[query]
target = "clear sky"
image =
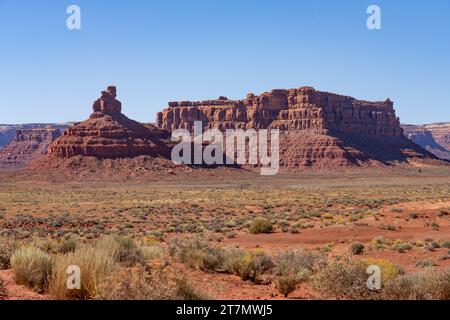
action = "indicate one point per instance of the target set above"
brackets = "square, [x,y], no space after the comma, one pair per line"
[166,50]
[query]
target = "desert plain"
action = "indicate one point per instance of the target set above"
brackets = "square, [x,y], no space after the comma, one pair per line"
[231,233]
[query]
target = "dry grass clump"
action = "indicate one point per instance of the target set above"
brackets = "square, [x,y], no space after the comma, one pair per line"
[136,284]
[7,248]
[294,267]
[427,285]
[379,242]
[128,251]
[96,263]
[290,261]
[139,284]
[186,291]
[152,252]
[196,253]
[346,278]
[67,245]
[343,278]
[2,290]
[111,268]
[32,267]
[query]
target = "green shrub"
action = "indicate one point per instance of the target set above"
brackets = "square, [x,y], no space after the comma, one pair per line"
[402,247]
[260,225]
[424,263]
[287,284]
[32,267]
[197,254]
[443,213]
[379,242]
[294,230]
[389,227]
[357,248]
[247,265]
[446,244]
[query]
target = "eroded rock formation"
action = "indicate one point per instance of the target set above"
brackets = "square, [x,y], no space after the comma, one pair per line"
[110,134]
[318,129]
[294,109]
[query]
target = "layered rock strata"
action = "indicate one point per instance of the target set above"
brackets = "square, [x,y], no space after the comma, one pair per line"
[110,134]
[318,129]
[28,145]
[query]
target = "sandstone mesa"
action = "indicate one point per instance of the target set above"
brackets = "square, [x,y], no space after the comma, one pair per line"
[28,145]
[318,129]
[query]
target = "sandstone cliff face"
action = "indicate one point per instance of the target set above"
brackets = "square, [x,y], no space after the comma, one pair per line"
[318,129]
[110,134]
[293,109]
[28,145]
[440,132]
[8,131]
[432,137]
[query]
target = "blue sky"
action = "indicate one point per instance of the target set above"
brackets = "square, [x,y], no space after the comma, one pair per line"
[167,50]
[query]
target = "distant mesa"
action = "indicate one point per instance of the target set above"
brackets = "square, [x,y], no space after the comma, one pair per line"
[318,129]
[110,134]
[28,145]
[8,131]
[433,137]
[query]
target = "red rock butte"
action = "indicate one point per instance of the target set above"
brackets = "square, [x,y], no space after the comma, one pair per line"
[293,109]
[319,129]
[110,134]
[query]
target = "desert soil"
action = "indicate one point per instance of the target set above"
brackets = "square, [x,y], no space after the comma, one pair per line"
[324,211]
